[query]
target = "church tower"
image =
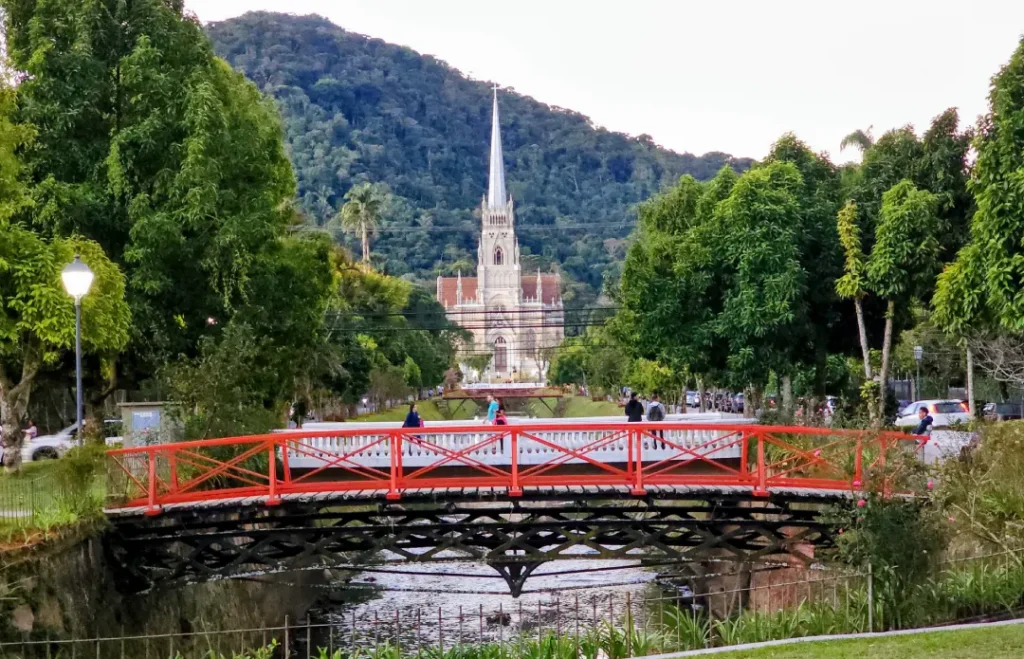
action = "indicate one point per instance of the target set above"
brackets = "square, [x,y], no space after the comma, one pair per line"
[498,254]
[512,317]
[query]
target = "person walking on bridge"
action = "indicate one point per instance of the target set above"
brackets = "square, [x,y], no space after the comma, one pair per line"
[412,419]
[656,412]
[492,409]
[634,409]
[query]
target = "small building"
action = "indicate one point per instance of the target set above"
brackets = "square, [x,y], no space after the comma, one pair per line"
[143,424]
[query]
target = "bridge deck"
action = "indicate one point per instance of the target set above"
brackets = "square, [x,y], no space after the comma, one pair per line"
[482,493]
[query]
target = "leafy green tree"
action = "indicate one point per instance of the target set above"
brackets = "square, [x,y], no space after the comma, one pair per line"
[361,214]
[37,317]
[904,260]
[981,290]
[413,375]
[148,144]
[853,284]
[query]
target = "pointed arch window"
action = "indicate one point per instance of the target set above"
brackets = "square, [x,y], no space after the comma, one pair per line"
[500,354]
[499,256]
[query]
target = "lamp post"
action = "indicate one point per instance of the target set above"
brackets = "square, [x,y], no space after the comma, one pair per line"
[77,278]
[918,354]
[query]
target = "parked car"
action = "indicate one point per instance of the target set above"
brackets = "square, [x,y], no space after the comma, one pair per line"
[51,447]
[944,413]
[737,403]
[1003,411]
[692,399]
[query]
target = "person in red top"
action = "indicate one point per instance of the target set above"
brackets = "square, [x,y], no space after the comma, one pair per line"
[500,419]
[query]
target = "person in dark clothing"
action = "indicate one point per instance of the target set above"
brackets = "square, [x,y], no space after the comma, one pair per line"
[634,409]
[412,419]
[925,427]
[500,419]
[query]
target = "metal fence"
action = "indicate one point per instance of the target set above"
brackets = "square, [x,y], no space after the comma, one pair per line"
[25,500]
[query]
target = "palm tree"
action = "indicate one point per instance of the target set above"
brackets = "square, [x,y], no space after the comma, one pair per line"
[361,214]
[862,139]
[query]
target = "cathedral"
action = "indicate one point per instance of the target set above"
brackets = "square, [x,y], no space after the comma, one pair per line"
[513,317]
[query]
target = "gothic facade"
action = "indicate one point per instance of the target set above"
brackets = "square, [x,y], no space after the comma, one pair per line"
[512,316]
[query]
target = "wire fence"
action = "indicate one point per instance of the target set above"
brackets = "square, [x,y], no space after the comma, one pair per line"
[27,500]
[681,612]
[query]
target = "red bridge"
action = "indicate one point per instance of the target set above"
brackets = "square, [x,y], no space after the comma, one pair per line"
[514,496]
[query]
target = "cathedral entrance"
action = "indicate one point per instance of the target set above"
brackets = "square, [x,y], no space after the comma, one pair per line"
[500,355]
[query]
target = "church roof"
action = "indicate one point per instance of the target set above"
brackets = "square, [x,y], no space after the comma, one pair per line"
[447,290]
[551,289]
[550,286]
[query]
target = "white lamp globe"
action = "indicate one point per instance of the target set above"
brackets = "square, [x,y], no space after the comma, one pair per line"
[77,278]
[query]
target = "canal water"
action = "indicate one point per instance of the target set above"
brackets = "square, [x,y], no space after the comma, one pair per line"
[445,604]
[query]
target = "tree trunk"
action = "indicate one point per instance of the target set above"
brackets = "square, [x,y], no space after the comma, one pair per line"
[14,400]
[883,375]
[862,329]
[703,407]
[787,396]
[970,381]
[366,245]
[748,403]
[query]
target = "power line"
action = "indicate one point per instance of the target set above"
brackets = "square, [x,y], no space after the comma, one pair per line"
[485,312]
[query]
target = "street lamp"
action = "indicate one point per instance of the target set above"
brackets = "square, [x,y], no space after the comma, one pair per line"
[918,354]
[77,278]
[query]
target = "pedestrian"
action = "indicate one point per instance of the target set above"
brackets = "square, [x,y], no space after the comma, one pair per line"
[492,409]
[656,412]
[634,409]
[412,419]
[31,432]
[500,419]
[925,427]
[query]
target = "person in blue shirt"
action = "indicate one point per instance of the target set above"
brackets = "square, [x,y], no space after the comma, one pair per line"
[492,409]
[412,419]
[925,427]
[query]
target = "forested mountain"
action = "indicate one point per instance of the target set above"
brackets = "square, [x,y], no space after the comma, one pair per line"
[359,109]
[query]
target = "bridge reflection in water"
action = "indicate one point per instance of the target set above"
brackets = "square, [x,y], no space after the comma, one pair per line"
[513,496]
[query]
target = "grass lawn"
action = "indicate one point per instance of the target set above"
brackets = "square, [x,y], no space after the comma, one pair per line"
[1005,642]
[575,407]
[428,412]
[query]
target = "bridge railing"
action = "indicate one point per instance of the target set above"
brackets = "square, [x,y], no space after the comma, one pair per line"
[510,458]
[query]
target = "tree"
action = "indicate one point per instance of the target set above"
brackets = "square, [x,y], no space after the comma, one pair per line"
[37,317]
[479,362]
[852,285]
[861,139]
[361,214]
[904,259]
[981,290]
[148,144]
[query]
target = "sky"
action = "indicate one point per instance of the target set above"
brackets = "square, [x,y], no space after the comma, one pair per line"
[706,76]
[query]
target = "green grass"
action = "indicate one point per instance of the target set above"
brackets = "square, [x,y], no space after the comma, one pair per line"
[428,412]
[984,643]
[575,407]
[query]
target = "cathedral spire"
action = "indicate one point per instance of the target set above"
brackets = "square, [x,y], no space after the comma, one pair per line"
[496,197]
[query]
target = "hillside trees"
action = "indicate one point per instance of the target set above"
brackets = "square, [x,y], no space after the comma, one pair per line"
[360,110]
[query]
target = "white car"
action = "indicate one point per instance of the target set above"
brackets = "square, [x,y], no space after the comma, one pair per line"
[944,413]
[50,447]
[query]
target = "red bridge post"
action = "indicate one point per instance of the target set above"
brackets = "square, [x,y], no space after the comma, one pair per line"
[152,508]
[396,467]
[274,498]
[761,489]
[638,470]
[515,490]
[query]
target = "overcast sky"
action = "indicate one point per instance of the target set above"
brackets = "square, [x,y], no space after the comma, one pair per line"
[706,76]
